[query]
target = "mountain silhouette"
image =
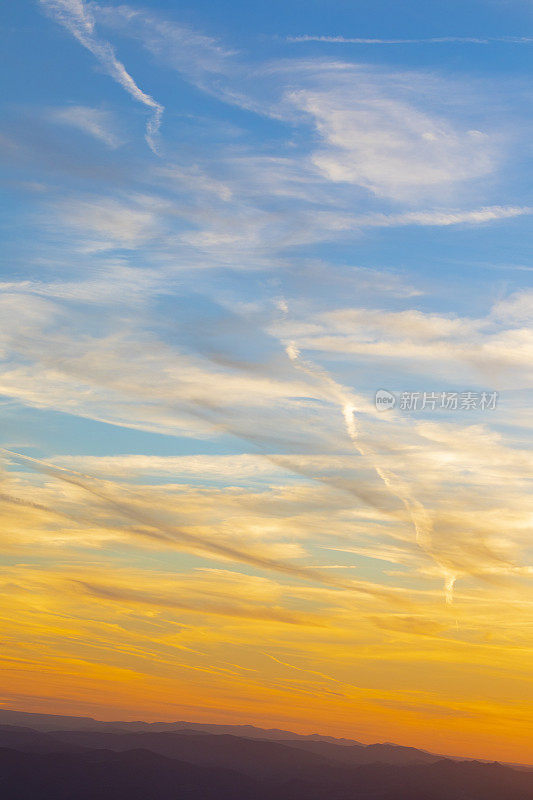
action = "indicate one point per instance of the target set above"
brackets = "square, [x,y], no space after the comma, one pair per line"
[143,775]
[100,761]
[50,722]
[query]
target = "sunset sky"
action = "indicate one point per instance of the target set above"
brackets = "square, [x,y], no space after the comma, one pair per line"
[227,225]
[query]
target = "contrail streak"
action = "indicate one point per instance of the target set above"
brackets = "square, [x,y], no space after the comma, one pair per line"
[429,40]
[420,518]
[76,18]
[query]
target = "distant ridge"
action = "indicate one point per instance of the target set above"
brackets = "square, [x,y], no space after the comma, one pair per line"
[51,722]
[340,751]
[54,757]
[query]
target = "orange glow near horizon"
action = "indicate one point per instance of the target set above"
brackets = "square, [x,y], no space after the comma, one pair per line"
[100,624]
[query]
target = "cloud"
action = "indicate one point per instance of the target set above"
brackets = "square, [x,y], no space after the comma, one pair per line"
[516,309]
[211,605]
[153,526]
[107,223]
[178,45]
[77,18]
[417,626]
[147,394]
[463,349]
[377,131]
[92,121]
[115,282]
[443,218]
[378,138]
[222,468]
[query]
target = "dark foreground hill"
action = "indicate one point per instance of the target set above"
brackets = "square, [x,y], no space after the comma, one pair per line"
[143,775]
[103,775]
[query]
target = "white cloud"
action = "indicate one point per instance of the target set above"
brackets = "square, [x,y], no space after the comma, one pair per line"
[103,223]
[376,129]
[517,308]
[178,45]
[378,140]
[332,223]
[92,121]
[444,217]
[236,468]
[498,346]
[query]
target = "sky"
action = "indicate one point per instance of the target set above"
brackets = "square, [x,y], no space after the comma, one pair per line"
[227,226]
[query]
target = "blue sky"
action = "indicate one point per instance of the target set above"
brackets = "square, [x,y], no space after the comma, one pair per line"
[227,225]
[262,126]
[212,179]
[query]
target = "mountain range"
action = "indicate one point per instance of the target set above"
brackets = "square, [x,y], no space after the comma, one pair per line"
[65,757]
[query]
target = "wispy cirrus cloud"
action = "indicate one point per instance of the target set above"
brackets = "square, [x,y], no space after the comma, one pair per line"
[176,44]
[375,136]
[92,121]
[109,223]
[375,131]
[152,526]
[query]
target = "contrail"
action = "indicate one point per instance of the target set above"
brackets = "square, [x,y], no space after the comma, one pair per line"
[77,19]
[430,40]
[420,518]
[303,669]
